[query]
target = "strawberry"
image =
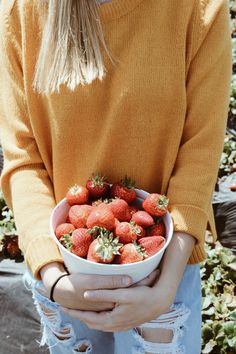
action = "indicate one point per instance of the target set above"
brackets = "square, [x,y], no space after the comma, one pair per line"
[78,215]
[127,232]
[157,229]
[12,248]
[77,195]
[81,240]
[124,190]
[232,187]
[104,248]
[63,229]
[101,216]
[120,209]
[156,204]
[97,186]
[142,218]
[234,167]
[151,244]
[130,253]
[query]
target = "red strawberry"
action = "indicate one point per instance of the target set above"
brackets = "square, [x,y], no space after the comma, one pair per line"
[130,253]
[78,215]
[101,216]
[81,240]
[124,190]
[127,232]
[63,229]
[104,248]
[151,244]
[157,229]
[77,195]
[97,186]
[142,218]
[12,248]
[232,187]
[156,204]
[120,209]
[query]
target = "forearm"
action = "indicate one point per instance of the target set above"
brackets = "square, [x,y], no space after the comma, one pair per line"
[50,272]
[174,262]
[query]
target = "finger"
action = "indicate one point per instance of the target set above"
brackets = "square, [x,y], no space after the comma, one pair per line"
[103,281]
[149,280]
[117,296]
[90,317]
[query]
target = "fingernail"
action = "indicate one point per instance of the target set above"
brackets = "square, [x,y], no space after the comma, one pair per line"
[126,281]
[88,294]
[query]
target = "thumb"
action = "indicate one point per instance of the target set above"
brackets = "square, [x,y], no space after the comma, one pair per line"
[115,296]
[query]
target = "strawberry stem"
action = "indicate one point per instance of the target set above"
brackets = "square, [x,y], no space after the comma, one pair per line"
[128,182]
[66,241]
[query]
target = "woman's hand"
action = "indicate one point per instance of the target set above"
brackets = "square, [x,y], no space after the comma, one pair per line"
[140,304]
[69,291]
[134,306]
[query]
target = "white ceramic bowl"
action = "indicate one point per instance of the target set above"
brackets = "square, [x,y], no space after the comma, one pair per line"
[75,264]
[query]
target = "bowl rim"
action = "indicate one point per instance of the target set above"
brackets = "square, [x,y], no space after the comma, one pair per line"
[140,194]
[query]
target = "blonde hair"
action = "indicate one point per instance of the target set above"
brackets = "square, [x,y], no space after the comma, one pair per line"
[70,51]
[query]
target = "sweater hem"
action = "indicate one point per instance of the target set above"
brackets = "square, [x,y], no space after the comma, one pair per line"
[41,251]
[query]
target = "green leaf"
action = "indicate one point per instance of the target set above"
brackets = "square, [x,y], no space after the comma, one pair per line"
[233,316]
[229,327]
[232,265]
[209,346]
[207,332]
[231,342]
[209,312]
[206,301]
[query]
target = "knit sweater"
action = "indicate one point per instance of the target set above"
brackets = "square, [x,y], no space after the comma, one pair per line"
[159,116]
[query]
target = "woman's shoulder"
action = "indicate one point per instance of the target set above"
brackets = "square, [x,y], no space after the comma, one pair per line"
[208,9]
[211,13]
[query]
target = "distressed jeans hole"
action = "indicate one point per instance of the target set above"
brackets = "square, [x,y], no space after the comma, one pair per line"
[163,334]
[83,346]
[47,312]
[156,335]
[64,334]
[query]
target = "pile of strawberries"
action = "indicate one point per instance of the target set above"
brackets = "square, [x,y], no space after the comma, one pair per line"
[104,224]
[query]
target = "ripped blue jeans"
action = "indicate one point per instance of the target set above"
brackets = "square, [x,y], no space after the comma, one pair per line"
[65,335]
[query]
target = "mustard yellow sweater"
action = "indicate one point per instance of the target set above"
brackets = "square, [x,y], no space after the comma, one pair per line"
[159,116]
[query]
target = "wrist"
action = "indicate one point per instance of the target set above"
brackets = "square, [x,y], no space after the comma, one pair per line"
[174,262]
[50,272]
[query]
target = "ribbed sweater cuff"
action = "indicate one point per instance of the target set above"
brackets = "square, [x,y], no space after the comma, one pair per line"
[41,251]
[184,219]
[198,255]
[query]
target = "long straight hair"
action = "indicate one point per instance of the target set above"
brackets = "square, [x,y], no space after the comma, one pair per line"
[71,46]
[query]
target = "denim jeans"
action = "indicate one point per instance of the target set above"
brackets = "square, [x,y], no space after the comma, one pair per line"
[65,335]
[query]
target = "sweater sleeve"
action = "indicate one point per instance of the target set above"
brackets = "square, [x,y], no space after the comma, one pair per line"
[208,91]
[25,182]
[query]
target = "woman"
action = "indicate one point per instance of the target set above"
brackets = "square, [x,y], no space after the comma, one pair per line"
[128,87]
